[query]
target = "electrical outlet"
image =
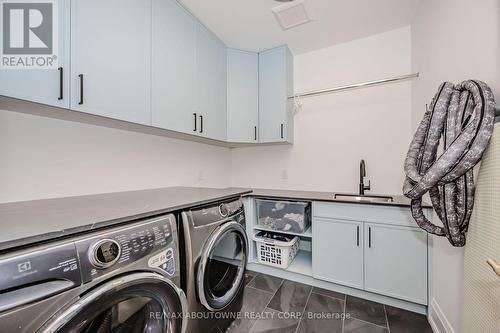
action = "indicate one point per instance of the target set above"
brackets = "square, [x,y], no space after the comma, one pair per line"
[284,174]
[200,175]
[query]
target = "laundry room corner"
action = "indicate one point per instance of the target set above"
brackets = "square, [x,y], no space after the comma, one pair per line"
[333,132]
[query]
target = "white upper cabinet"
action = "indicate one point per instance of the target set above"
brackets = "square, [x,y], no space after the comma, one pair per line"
[188,73]
[211,84]
[174,67]
[275,85]
[151,62]
[111,58]
[44,86]
[242,96]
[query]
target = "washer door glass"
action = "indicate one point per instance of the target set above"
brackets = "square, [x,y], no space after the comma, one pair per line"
[137,303]
[223,265]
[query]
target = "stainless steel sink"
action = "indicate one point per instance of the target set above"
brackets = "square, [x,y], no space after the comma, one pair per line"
[363,198]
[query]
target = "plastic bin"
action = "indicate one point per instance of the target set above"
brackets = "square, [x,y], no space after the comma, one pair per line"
[276,250]
[284,216]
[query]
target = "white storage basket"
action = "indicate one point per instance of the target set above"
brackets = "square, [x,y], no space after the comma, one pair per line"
[274,252]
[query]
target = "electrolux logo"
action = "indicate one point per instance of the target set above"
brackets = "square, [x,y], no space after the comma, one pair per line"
[29,34]
[24,267]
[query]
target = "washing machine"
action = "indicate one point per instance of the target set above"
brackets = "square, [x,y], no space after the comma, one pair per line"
[122,279]
[216,250]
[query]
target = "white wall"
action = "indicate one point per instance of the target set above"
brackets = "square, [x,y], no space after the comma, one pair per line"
[452,40]
[333,132]
[44,157]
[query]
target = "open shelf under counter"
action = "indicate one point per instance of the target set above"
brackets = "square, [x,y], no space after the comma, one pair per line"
[302,263]
[307,233]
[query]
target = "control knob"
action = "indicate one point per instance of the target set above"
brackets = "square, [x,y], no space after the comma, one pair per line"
[104,253]
[223,210]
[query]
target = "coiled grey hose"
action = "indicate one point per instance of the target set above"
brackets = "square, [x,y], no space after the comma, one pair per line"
[463,116]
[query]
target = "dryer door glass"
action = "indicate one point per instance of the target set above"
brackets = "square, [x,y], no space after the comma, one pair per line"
[141,302]
[223,266]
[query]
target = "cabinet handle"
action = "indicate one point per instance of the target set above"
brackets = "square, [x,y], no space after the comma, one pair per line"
[61,83]
[201,124]
[369,237]
[255,133]
[357,235]
[195,122]
[282,132]
[81,89]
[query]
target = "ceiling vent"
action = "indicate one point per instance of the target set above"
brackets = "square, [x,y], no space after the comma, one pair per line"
[292,14]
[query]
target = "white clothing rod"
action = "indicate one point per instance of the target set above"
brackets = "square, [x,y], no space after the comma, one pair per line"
[365,85]
[355,86]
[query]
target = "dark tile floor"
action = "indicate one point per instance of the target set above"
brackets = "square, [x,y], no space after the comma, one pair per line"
[275,305]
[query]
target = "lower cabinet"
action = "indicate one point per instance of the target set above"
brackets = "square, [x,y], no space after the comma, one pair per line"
[338,251]
[396,262]
[388,258]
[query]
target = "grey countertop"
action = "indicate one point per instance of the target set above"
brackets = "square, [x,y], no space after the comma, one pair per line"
[27,222]
[399,200]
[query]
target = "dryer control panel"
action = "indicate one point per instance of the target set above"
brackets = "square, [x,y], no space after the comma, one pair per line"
[122,246]
[215,213]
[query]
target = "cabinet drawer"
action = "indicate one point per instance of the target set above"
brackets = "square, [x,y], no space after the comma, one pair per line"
[367,213]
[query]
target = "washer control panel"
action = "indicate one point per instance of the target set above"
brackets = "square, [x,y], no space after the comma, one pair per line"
[37,265]
[122,246]
[164,260]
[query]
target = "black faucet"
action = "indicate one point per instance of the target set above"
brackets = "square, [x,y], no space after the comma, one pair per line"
[362,175]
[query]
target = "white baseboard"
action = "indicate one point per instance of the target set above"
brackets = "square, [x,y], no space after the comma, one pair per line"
[438,320]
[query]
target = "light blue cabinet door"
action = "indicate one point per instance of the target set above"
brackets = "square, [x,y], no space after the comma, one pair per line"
[275,85]
[337,251]
[174,67]
[111,48]
[396,262]
[211,84]
[41,85]
[242,96]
